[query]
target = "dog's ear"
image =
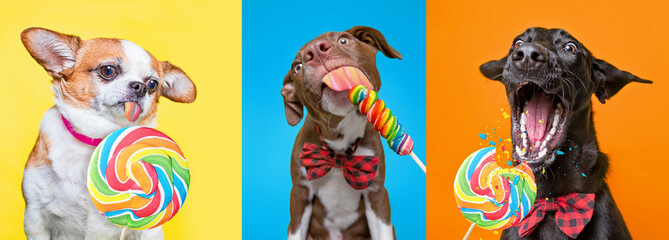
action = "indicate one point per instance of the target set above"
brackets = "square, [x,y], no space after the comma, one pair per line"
[609,80]
[493,69]
[176,85]
[56,52]
[293,106]
[373,37]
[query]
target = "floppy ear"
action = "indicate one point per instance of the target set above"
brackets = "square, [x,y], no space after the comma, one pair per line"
[493,69]
[609,80]
[56,52]
[176,85]
[373,37]
[292,105]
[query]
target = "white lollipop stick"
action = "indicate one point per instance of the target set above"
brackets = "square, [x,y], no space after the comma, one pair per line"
[420,163]
[123,232]
[469,231]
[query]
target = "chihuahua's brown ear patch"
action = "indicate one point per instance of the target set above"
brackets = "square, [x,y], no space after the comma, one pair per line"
[177,86]
[56,52]
[609,80]
[293,106]
[373,37]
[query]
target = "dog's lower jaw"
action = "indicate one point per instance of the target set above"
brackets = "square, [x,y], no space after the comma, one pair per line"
[88,122]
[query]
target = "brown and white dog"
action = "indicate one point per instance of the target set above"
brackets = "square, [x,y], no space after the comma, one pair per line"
[94,81]
[327,207]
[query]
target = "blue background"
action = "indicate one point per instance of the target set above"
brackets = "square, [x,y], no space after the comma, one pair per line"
[272,33]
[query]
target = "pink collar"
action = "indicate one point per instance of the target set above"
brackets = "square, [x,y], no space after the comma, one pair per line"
[82,138]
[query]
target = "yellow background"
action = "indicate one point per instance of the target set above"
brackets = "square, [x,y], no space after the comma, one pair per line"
[201,37]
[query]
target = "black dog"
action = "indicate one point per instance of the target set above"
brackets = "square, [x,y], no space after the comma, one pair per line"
[549,78]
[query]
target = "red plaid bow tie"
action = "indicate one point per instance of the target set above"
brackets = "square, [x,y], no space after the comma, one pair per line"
[359,171]
[573,212]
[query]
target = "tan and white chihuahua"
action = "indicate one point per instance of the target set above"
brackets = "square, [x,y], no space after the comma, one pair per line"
[100,85]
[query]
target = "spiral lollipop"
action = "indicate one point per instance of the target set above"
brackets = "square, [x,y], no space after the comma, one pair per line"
[490,196]
[138,178]
[377,114]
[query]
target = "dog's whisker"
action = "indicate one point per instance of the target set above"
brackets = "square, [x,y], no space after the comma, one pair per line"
[577,77]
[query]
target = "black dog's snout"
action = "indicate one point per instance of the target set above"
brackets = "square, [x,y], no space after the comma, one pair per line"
[528,57]
[138,88]
[319,48]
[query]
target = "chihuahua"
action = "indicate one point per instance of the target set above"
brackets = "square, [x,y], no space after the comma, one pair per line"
[100,85]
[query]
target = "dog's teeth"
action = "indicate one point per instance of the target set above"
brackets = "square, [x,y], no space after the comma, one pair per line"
[556,120]
[525,142]
[522,123]
[543,152]
[520,151]
[523,135]
[559,109]
[553,130]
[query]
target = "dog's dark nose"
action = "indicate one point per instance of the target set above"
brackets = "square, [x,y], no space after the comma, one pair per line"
[319,48]
[138,88]
[528,57]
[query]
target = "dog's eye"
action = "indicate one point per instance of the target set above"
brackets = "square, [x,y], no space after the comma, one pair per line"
[518,43]
[570,47]
[108,72]
[152,86]
[297,68]
[343,40]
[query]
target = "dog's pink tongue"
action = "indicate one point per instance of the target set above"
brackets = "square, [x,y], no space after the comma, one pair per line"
[537,112]
[345,78]
[132,111]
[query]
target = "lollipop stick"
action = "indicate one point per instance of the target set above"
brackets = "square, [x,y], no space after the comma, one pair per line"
[123,232]
[469,231]
[420,164]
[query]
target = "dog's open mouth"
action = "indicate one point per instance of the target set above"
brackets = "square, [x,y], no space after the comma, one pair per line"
[538,124]
[336,85]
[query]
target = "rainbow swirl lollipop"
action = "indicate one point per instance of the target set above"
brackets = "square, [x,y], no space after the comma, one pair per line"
[490,196]
[138,178]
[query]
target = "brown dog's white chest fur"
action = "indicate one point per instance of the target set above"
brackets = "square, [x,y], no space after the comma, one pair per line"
[339,199]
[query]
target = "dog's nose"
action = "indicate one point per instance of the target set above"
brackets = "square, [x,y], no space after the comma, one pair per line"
[319,48]
[528,57]
[138,88]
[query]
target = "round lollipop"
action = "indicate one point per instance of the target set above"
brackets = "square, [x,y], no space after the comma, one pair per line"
[490,196]
[375,109]
[138,178]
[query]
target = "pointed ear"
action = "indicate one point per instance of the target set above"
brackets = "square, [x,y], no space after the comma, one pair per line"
[609,80]
[292,105]
[493,70]
[56,52]
[373,37]
[176,85]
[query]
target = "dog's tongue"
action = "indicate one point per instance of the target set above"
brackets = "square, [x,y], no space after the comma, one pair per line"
[345,78]
[132,111]
[537,111]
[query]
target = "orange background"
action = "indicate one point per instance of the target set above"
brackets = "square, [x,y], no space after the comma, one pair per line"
[632,127]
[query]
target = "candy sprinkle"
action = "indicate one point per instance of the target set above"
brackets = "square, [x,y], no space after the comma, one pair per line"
[483,136]
[583,174]
[560,152]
